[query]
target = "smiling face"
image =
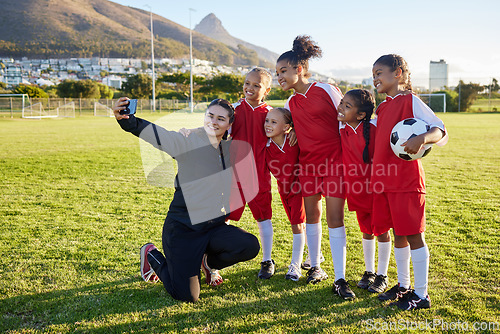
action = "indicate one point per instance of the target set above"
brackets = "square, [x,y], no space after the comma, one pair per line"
[288,76]
[348,111]
[256,87]
[275,124]
[216,121]
[385,80]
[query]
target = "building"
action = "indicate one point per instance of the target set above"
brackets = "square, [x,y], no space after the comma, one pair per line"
[438,75]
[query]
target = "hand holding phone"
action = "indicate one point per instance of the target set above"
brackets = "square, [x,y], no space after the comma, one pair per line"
[130,108]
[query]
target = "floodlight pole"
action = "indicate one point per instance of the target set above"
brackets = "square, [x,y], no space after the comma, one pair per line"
[191,61]
[152,56]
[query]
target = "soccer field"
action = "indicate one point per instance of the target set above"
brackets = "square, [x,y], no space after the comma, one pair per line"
[76,208]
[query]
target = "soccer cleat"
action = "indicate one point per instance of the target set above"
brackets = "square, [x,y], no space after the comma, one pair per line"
[366,280]
[293,273]
[212,276]
[147,273]
[306,265]
[393,293]
[411,301]
[315,275]
[266,269]
[379,284]
[342,288]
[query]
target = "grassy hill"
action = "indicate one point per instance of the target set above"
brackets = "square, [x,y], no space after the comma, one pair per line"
[100,28]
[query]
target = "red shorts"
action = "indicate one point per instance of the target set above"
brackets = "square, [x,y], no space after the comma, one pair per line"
[365,222]
[294,208]
[260,207]
[404,212]
[328,186]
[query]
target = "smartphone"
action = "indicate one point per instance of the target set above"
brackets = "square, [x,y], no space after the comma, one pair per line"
[130,107]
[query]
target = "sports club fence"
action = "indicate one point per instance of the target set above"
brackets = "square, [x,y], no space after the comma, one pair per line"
[18,106]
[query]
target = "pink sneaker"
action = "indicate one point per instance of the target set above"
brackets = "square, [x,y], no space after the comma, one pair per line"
[147,273]
[212,276]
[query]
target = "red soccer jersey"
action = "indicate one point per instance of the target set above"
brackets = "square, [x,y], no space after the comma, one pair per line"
[283,163]
[248,126]
[390,173]
[356,172]
[315,121]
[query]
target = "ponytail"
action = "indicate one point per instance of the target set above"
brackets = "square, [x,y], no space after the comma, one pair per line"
[303,49]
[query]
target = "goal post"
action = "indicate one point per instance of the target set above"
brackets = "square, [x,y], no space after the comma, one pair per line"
[102,110]
[13,103]
[437,101]
[66,110]
[38,111]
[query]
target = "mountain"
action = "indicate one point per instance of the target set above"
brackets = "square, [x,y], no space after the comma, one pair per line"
[101,28]
[212,27]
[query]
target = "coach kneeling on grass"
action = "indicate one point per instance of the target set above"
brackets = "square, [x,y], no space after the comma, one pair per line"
[195,233]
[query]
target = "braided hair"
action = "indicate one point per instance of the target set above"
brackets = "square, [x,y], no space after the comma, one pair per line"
[303,49]
[394,62]
[365,103]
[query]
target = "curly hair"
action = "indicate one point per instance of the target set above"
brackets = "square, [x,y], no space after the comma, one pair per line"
[365,103]
[302,50]
[394,61]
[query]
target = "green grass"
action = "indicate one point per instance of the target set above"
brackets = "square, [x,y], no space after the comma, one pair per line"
[75,209]
[485,104]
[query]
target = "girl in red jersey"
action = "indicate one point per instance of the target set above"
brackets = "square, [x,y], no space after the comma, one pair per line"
[282,160]
[250,114]
[357,134]
[314,111]
[399,185]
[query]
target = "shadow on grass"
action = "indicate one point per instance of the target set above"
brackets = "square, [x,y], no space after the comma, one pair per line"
[243,303]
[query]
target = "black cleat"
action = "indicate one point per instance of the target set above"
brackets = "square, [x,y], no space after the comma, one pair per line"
[342,288]
[393,293]
[316,275]
[266,269]
[366,280]
[379,284]
[411,301]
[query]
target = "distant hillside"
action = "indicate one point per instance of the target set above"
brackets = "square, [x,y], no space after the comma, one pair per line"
[212,27]
[101,28]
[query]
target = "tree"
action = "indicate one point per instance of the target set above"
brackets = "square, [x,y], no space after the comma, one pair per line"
[139,86]
[79,89]
[467,93]
[451,100]
[106,92]
[32,91]
[181,81]
[227,85]
[277,93]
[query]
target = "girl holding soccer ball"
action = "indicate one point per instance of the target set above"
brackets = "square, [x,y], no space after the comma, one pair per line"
[314,111]
[357,133]
[401,203]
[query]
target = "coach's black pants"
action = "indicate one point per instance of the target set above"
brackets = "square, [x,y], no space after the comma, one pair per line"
[179,269]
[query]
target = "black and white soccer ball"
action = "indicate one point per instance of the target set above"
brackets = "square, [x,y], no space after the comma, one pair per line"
[404,130]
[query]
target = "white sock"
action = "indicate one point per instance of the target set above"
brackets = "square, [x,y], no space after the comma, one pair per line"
[384,255]
[313,234]
[420,259]
[338,245]
[266,238]
[299,241]
[402,257]
[369,254]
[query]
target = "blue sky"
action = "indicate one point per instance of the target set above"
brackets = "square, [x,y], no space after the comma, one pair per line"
[354,34]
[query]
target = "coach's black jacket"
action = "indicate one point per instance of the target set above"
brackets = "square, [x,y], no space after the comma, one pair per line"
[203,182]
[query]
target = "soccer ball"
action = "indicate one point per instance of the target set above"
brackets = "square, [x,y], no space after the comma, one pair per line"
[404,130]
